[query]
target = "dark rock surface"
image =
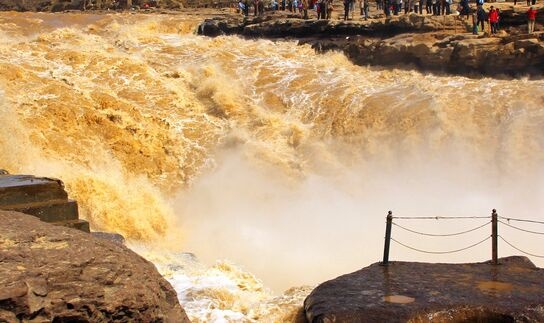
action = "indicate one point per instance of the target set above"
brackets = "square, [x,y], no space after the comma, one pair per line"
[423,292]
[456,54]
[56,274]
[281,25]
[42,197]
[284,24]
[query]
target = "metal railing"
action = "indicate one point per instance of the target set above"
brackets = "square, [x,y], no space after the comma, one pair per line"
[493,220]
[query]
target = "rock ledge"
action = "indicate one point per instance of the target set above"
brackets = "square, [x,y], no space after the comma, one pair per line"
[423,292]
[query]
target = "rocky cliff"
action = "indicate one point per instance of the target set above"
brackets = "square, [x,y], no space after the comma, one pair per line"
[50,273]
[429,43]
[512,291]
[464,54]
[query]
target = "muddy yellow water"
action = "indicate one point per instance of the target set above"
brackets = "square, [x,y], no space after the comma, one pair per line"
[256,154]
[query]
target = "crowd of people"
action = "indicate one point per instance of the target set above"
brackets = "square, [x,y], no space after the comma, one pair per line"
[324,8]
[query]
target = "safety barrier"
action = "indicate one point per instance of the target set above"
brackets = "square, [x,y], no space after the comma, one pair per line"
[492,220]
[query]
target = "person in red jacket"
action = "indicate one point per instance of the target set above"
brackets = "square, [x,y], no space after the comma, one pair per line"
[493,20]
[531,18]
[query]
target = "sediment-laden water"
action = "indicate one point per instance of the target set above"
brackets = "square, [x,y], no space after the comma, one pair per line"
[260,155]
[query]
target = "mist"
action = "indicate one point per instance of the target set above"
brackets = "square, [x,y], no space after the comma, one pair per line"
[292,233]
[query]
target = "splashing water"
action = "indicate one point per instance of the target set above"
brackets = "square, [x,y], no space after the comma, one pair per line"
[259,152]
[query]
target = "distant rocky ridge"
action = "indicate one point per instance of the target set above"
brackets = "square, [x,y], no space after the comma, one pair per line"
[463,54]
[512,291]
[429,43]
[56,274]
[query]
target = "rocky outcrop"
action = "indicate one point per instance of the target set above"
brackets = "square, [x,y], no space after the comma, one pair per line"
[465,54]
[281,25]
[42,197]
[56,274]
[512,291]
[285,24]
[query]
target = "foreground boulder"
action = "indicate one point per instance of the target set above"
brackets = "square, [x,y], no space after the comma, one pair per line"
[51,273]
[422,292]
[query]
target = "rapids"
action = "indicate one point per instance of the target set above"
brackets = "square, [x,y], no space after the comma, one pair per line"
[258,153]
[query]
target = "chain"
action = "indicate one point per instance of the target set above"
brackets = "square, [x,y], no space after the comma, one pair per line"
[525,252]
[520,220]
[509,225]
[441,235]
[441,252]
[439,217]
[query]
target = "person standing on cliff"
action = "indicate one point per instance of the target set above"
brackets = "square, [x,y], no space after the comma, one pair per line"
[396,7]
[474,23]
[387,8]
[531,18]
[329,9]
[482,17]
[346,9]
[429,6]
[493,19]
[436,7]
[465,8]
[305,9]
[447,5]
[365,4]
[246,7]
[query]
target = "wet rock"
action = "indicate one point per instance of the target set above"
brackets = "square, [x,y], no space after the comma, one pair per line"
[50,273]
[220,26]
[423,292]
[459,54]
[284,26]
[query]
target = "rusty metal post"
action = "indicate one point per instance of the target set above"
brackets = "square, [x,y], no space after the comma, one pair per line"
[389,222]
[494,236]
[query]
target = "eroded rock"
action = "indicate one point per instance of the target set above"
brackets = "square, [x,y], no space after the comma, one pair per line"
[423,292]
[51,273]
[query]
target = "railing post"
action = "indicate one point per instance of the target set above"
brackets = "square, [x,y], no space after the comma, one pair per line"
[387,238]
[494,235]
